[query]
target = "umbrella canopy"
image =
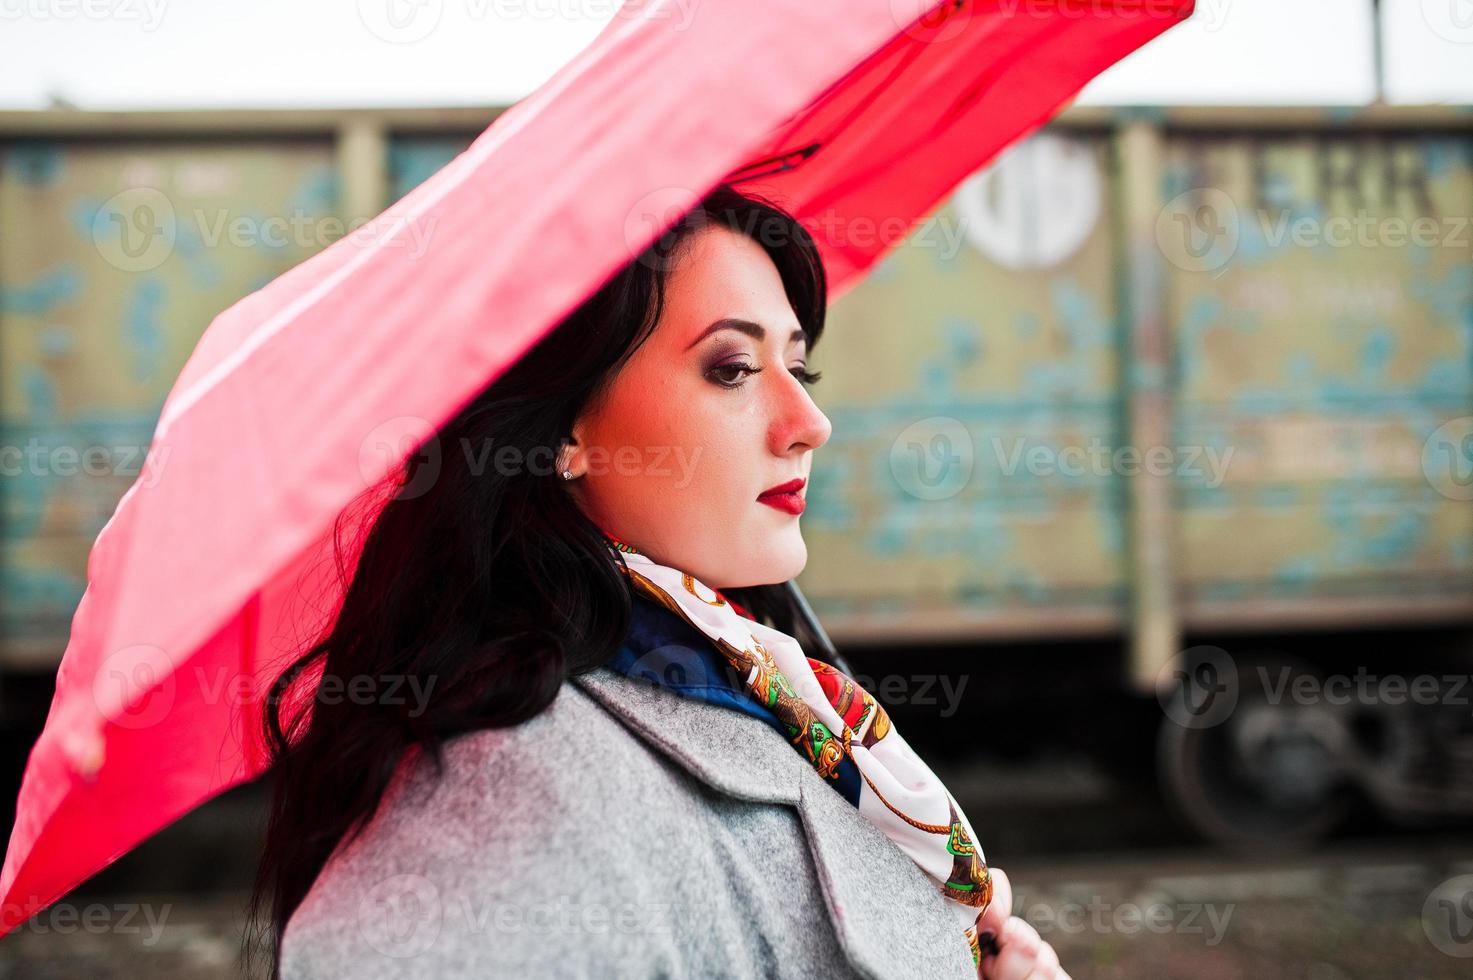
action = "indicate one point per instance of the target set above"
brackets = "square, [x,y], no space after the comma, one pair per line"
[216,565]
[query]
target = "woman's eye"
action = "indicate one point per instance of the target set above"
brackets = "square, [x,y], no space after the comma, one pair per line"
[736,370]
[725,370]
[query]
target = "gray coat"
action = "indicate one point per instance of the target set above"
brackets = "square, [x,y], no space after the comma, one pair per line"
[626,831]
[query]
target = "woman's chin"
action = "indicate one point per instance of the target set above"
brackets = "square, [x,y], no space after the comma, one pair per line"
[779,561]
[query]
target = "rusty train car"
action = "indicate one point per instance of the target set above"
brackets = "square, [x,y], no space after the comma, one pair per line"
[1173,377]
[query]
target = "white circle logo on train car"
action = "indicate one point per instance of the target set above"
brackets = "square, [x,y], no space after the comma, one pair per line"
[1036,205]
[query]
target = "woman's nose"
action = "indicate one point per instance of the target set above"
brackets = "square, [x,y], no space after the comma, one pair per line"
[800,424]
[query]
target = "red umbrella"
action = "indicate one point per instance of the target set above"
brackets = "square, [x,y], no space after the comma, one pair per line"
[216,565]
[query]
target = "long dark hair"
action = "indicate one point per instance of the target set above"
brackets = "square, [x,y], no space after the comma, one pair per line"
[487,588]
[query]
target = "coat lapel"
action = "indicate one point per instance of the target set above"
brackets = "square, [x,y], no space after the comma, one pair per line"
[727,750]
[876,893]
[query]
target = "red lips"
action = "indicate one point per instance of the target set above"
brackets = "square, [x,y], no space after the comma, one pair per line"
[792,486]
[785,497]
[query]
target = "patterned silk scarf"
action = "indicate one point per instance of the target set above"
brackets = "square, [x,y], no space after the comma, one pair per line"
[840,728]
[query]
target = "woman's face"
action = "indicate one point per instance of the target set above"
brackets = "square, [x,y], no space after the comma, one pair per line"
[674,454]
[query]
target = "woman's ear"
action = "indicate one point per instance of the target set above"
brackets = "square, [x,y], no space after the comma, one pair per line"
[570,454]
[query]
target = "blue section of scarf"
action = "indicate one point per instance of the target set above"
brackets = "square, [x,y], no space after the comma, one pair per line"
[664,649]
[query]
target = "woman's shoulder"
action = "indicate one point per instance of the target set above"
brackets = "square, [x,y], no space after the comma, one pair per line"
[562,809]
[561,767]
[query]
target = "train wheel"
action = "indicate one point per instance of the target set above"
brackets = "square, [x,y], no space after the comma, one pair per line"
[1262,769]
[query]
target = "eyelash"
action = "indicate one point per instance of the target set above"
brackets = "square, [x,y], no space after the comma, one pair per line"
[802,374]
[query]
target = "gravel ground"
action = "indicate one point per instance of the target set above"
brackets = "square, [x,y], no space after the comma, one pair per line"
[1368,912]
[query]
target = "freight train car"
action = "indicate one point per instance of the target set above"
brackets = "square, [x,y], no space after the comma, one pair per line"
[1185,378]
[1197,380]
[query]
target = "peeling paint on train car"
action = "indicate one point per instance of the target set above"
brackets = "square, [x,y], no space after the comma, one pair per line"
[1326,351]
[1321,361]
[114,257]
[967,387]
[978,476]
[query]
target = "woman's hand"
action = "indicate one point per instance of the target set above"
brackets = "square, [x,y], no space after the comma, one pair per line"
[1022,955]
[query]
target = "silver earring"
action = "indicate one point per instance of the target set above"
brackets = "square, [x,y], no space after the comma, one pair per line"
[567,474]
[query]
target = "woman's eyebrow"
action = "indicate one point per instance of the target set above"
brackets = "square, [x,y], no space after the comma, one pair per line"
[747,327]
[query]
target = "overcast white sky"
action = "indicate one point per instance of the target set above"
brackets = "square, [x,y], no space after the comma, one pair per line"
[129,54]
